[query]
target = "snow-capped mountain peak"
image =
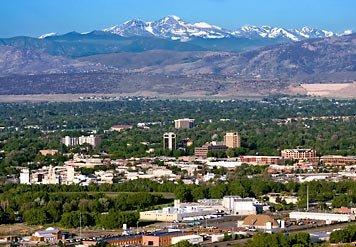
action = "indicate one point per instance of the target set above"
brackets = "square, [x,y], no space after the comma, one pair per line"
[347,32]
[47,35]
[175,28]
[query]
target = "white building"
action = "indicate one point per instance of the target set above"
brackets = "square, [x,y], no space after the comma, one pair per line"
[184,123]
[181,211]
[48,175]
[207,208]
[240,206]
[25,176]
[226,164]
[193,239]
[327,217]
[161,172]
[92,140]
[70,141]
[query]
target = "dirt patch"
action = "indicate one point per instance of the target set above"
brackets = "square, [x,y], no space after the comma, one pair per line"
[18,230]
[328,90]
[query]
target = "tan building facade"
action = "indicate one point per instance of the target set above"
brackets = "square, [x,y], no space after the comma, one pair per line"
[232,140]
[338,160]
[202,152]
[299,154]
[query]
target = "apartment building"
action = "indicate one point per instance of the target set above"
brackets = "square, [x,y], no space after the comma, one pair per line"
[299,154]
[92,140]
[232,140]
[184,123]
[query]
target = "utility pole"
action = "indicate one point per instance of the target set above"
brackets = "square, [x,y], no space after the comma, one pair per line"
[80,225]
[307,198]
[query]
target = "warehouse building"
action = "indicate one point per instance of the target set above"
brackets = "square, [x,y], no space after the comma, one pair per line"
[327,217]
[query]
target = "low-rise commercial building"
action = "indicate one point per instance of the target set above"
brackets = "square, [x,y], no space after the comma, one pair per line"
[48,152]
[260,221]
[203,151]
[50,235]
[120,127]
[338,160]
[299,154]
[261,160]
[48,175]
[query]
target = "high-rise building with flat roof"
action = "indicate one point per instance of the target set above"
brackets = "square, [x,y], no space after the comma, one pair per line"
[73,141]
[184,123]
[169,141]
[232,140]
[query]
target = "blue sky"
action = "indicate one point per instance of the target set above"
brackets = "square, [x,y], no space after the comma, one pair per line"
[35,17]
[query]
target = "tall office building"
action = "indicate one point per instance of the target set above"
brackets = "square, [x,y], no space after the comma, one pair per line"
[232,140]
[169,141]
[185,123]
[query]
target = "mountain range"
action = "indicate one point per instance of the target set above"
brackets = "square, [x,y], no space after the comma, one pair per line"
[171,55]
[175,28]
[169,33]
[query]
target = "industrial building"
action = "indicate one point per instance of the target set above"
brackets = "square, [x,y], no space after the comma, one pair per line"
[207,208]
[241,206]
[180,211]
[327,217]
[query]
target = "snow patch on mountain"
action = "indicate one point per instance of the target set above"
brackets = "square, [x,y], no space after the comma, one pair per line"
[43,36]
